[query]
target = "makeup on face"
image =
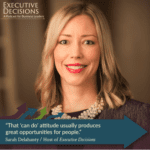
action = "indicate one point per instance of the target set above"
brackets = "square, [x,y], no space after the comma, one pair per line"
[75,68]
[77,53]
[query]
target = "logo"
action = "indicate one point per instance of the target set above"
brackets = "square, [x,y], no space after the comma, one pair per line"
[21,10]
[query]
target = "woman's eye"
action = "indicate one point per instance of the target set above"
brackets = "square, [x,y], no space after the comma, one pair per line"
[89,42]
[63,42]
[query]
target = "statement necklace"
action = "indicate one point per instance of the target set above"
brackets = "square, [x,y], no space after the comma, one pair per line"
[90,113]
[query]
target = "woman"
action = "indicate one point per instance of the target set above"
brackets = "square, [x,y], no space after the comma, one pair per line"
[79,35]
[79,74]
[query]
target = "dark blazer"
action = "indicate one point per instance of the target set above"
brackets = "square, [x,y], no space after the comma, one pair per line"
[136,111]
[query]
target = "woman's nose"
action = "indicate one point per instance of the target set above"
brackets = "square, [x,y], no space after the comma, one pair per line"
[76,50]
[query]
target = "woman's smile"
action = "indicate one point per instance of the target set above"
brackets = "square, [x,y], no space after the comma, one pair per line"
[75,68]
[77,53]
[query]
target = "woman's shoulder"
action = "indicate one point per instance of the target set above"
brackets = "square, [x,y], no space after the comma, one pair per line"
[135,107]
[134,103]
[137,111]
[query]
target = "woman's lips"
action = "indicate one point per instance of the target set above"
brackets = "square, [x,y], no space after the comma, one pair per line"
[75,68]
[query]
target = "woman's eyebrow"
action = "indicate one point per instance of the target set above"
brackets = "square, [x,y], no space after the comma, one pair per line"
[89,35]
[68,35]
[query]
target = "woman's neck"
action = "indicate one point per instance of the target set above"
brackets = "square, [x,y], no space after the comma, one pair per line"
[79,97]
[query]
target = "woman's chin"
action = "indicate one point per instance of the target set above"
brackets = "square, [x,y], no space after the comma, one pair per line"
[73,82]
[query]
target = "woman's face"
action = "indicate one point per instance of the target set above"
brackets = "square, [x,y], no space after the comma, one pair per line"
[77,53]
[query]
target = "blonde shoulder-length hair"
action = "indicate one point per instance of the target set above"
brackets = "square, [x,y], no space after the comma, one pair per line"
[112,86]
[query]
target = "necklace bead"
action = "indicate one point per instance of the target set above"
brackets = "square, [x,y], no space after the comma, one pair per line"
[87,114]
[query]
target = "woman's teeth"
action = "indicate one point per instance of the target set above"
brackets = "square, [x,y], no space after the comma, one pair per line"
[75,67]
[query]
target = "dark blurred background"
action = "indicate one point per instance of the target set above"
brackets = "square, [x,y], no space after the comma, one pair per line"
[22,40]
